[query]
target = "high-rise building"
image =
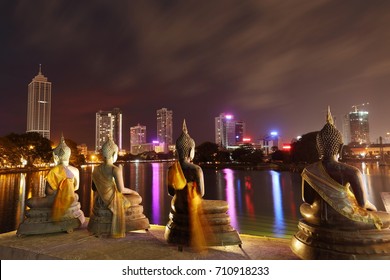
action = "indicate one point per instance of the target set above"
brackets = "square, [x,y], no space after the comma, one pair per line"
[359,127]
[240,131]
[346,130]
[225,130]
[39,105]
[108,124]
[137,138]
[164,127]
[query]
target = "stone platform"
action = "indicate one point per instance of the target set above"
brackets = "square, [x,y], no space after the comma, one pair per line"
[137,245]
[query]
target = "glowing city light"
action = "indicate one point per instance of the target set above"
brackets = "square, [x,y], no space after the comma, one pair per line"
[274,133]
[286,147]
[228,117]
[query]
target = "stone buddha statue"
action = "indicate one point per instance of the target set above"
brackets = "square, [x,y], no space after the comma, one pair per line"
[59,210]
[193,221]
[116,208]
[338,221]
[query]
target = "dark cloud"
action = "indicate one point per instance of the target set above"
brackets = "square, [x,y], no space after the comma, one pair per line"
[274,64]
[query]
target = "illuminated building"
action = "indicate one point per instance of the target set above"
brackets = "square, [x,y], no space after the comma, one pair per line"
[164,127]
[108,123]
[270,141]
[359,128]
[137,138]
[39,105]
[225,130]
[240,131]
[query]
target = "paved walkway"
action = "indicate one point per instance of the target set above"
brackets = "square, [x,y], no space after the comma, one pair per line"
[137,245]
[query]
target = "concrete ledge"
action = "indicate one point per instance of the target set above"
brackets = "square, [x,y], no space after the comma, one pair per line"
[137,245]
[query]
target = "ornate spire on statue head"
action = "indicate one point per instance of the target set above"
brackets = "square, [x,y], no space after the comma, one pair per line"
[329,118]
[184,143]
[185,130]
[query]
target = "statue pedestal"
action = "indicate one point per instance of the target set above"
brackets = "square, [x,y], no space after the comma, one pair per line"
[313,242]
[177,231]
[39,221]
[101,218]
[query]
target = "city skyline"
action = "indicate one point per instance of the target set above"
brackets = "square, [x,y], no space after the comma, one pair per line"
[275,65]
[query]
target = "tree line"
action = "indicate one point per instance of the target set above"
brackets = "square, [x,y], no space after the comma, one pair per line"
[32,149]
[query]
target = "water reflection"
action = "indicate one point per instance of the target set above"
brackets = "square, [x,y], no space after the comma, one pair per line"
[156,192]
[249,197]
[230,196]
[278,206]
[260,202]
[21,200]
[376,179]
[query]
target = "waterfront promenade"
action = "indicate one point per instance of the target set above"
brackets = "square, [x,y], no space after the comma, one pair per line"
[137,245]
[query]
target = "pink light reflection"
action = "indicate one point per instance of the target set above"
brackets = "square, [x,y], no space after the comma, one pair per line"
[230,196]
[156,192]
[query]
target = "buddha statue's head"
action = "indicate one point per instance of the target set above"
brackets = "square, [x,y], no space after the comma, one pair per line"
[62,152]
[329,139]
[110,149]
[185,145]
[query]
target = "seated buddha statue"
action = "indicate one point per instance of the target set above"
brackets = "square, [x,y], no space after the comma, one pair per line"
[194,221]
[116,209]
[338,221]
[59,210]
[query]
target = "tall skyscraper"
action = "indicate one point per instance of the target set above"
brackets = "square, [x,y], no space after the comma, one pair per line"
[359,127]
[108,123]
[346,130]
[39,105]
[225,130]
[164,127]
[137,137]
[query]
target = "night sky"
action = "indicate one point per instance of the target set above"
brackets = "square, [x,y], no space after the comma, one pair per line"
[276,65]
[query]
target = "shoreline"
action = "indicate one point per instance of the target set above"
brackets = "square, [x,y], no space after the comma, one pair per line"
[274,165]
[137,245]
[278,166]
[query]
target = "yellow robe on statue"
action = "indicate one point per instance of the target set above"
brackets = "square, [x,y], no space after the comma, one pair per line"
[113,199]
[58,181]
[339,197]
[199,227]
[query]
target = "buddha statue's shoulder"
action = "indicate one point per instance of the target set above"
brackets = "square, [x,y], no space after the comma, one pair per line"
[198,168]
[74,169]
[316,166]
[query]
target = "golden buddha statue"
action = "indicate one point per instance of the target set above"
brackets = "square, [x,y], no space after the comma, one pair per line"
[116,208]
[338,220]
[194,221]
[59,210]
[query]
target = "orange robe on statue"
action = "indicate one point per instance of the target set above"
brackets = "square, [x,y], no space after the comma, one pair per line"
[198,225]
[58,181]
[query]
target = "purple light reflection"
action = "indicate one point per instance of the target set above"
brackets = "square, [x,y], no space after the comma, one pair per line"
[230,197]
[156,192]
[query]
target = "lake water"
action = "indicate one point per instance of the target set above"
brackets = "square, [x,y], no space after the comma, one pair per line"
[264,203]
